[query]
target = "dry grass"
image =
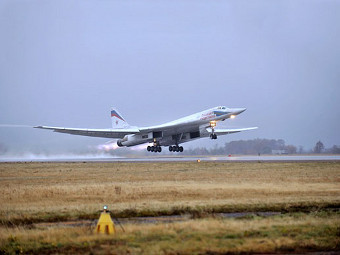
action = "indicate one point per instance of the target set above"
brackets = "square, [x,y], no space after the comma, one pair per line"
[59,191]
[30,188]
[287,233]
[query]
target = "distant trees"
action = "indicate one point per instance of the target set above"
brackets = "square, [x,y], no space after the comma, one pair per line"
[319,147]
[334,150]
[198,151]
[271,146]
[3,149]
[256,146]
[247,147]
[301,150]
[260,146]
[290,149]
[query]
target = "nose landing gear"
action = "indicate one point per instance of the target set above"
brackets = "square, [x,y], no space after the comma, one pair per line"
[213,136]
[212,126]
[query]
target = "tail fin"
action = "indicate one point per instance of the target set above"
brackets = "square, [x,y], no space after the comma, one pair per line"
[117,120]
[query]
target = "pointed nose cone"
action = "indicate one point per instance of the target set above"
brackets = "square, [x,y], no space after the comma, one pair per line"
[237,111]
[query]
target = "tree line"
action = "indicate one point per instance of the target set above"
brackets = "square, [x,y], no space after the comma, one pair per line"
[261,146]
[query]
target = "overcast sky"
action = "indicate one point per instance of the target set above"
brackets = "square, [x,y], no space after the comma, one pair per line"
[65,63]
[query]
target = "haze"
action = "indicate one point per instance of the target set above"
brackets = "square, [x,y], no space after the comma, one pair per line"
[65,63]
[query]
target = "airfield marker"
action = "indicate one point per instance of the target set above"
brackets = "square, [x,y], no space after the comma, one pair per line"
[105,224]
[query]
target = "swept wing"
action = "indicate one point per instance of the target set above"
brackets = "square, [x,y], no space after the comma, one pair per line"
[229,131]
[106,133]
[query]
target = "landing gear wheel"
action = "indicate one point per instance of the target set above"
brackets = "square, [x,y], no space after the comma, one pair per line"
[154,148]
[213,136]
[176,148]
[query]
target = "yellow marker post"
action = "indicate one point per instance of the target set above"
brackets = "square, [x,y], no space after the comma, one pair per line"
[105,224]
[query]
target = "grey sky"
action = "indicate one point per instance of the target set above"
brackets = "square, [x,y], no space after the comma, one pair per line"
[65,63]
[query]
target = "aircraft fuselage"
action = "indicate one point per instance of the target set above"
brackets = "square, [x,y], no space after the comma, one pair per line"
[181,130]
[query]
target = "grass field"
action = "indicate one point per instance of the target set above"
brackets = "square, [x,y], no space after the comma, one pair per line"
[307,192]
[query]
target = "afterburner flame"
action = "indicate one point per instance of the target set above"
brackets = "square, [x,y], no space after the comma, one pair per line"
[111,146]
[108,147]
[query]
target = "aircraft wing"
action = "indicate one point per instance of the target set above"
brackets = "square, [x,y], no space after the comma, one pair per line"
[229,131]
[176,127]
[106,133]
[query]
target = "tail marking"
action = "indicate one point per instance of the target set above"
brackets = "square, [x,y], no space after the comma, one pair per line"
[115,114]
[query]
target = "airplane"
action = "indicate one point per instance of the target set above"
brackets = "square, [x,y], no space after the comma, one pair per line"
[192,127]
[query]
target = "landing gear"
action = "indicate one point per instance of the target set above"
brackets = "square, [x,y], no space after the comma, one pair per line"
[154,148]
[213,136]
[176,148]
[212,126]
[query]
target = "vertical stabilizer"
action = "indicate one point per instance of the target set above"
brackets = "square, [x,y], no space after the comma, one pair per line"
[117,120]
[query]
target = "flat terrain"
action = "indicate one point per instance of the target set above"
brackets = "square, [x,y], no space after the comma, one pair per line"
[308,193]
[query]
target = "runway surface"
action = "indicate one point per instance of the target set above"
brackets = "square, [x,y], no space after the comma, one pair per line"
[105,158]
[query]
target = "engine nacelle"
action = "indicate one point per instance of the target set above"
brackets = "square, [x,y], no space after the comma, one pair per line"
[119,143]
[131,140]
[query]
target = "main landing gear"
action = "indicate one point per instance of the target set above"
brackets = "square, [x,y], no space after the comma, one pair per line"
[176,148]
[154,148]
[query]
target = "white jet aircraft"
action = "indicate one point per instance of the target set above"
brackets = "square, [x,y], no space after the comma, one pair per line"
[170,134]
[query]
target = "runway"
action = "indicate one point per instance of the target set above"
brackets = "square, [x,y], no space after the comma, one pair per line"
[168,158]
